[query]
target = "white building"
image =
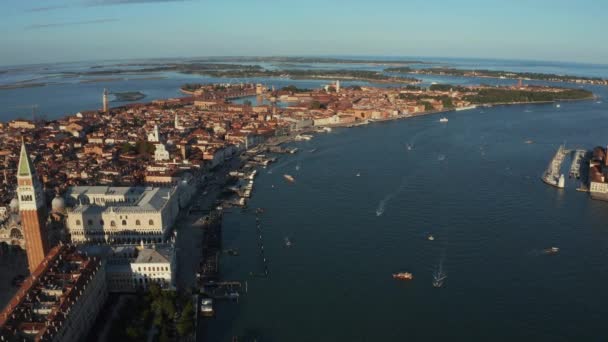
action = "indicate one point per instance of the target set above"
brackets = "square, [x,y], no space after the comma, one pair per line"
[121,214]
[129,267]
[161,153]
[154,265]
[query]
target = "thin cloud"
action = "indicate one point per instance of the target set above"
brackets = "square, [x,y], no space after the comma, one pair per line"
[46,8]
[126,2]
[88,3]
[73,23]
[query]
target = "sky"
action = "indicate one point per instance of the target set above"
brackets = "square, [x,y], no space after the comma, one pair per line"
[80,30]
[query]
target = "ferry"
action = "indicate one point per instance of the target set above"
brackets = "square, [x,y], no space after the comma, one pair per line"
[444,119]
[289,178]
[403,276]
[552,250]
[301,137]
[207,307]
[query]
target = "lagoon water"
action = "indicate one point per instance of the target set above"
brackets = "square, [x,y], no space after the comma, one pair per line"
[473,183]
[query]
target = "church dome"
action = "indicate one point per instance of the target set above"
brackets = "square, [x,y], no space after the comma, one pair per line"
[58,204]
[14,205]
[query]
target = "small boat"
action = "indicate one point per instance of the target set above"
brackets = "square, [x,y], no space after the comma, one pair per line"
[289,178]
[551,250]
[431,238]
[358,174]
[409,147]
[297,167]
[313,150]
[287,242]
[444,119]
[558,105]
[403,276]
[529,141]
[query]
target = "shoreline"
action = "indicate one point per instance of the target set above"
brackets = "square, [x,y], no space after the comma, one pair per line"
[573,81]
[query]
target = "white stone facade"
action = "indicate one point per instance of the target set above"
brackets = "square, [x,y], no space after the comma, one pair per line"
[121,215]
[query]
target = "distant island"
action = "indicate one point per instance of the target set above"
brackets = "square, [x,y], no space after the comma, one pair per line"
[512,95]
[243,71]
[128,96]
[498,74]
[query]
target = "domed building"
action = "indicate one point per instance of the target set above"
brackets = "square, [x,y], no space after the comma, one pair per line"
[58,204]
[14,205]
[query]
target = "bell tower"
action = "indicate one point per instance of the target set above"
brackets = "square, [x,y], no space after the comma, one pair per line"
[32,209]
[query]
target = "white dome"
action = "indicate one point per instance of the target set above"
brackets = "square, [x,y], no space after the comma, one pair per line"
[58,204]
[14,205]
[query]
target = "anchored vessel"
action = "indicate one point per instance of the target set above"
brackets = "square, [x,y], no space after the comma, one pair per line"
[289,178]
[403,276]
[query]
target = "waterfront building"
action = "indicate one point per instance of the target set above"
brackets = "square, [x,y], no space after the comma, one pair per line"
[32,209]
[598,174]
[59,301]
[132,267]
[121,214]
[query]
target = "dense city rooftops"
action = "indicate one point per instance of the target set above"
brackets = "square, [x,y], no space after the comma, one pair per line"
[43,302]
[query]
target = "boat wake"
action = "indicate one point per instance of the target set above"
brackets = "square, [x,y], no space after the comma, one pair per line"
[380,209]
[382,205]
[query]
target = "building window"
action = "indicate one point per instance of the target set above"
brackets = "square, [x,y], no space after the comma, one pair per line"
[151,222]
[112,223]
[124,222]
[137,223]
[78,223]
[90,222]
[101,222]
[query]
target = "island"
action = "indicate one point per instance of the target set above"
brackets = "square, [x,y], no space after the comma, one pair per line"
[531,76]
[128,96]
[223,70]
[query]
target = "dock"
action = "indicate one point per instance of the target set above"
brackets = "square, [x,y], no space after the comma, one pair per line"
[578,157]
[552,175]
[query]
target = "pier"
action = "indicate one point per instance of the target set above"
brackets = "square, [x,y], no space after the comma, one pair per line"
[552,175]
[212,244]
[578,157]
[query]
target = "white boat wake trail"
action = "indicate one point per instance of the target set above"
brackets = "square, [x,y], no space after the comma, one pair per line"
[382,205]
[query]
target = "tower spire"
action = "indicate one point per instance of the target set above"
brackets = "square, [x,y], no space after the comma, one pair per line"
[26,168]
[32,208]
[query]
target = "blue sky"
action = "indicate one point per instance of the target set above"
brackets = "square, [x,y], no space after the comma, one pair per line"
[75,30]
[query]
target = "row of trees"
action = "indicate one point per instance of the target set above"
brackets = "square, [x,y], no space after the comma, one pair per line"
[510,96]
[172,315]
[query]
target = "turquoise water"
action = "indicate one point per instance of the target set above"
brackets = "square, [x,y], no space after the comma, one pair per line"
[474,184]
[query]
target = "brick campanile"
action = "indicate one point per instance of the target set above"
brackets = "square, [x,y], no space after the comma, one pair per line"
[32,209]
